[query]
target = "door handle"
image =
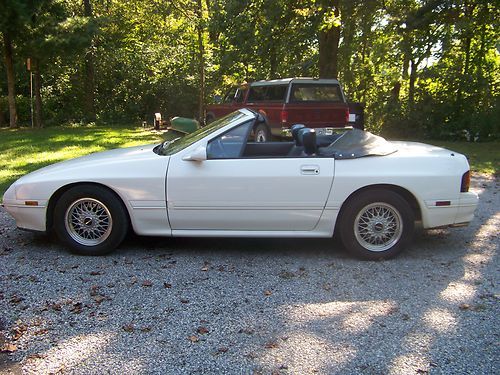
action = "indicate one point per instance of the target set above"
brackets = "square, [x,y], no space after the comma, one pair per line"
[309,169]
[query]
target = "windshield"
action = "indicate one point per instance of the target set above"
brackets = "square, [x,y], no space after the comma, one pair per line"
[177,144]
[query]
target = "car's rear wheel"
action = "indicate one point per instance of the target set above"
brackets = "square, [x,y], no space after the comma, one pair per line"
[376,224]
[262,133]
[90,219]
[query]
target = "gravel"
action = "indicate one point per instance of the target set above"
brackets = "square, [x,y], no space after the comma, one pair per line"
[240,306]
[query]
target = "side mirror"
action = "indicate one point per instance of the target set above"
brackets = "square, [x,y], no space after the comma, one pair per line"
[199,154]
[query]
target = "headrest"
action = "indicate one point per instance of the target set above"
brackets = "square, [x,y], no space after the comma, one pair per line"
[295,132]
[309,141]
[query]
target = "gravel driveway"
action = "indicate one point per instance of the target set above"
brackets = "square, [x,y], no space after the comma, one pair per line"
[240,306]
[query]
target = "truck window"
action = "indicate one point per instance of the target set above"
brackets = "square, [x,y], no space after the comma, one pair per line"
[229,97]
[240,95]
[315,93]
[272,93]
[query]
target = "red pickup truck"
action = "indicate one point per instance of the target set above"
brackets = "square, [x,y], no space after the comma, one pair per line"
[316,103]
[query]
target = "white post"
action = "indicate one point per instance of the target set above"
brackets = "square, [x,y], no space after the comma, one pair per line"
[31,98]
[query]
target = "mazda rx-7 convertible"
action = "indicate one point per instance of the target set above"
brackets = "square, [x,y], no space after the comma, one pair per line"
[215,182]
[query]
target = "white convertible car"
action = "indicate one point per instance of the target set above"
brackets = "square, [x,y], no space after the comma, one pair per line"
[216,183]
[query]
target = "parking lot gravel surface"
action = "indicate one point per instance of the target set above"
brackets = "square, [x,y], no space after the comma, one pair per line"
[254,306]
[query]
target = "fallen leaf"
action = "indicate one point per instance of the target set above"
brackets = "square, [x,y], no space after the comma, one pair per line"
[464,306]
[146,329]
[167,285]
[271,345]
[95,273]
[41,332]
[18,331]
[128,327]
[16,299]
[267,292]
[183,300]
[202,330]
[99,299]
[193,338]
[9,348]
[147,283]
[220,350]
[94,290]
[205,268]
[36,356]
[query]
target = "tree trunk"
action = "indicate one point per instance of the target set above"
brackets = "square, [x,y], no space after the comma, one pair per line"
[37,86]
[9,68]
[201,61]
[89,82]
[329,47]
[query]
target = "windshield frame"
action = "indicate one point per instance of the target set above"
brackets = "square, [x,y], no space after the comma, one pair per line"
[178,144]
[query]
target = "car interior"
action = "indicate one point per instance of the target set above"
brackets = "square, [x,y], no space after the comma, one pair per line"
[351,144]
[236,144]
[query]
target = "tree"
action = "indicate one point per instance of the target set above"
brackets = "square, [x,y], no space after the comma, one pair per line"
[89,83]
[11,24]
[329,37]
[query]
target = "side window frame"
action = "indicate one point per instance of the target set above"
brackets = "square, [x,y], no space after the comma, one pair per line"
[250,124]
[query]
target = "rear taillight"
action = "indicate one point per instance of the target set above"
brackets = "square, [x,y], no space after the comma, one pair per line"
[464,187]
[284,117]
[347,116]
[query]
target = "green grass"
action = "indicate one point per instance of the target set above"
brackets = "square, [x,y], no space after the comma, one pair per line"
[25,150]
[483,157]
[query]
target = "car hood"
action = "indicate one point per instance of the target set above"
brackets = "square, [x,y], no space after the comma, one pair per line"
[117,158]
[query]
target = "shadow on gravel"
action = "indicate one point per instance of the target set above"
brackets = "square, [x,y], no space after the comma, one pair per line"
[161,305]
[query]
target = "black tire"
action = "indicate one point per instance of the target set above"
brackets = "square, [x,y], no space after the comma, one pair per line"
[90,220]
[376,224]
[262,133]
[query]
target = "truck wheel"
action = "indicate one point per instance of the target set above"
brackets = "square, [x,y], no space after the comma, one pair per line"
[262,133]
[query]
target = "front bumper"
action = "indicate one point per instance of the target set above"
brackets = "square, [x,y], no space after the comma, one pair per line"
[26,217]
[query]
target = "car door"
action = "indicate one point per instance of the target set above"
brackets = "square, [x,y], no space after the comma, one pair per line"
[229,192]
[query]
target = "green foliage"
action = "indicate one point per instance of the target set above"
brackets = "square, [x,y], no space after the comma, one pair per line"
[422,68]
[25,150]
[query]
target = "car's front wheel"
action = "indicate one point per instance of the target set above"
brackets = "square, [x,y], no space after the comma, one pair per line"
[90,219]
[376,224]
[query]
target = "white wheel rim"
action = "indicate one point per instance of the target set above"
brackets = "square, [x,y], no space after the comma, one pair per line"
[378,226]
[88,222]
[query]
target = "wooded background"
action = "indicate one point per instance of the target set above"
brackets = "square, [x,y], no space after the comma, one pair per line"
[422,68]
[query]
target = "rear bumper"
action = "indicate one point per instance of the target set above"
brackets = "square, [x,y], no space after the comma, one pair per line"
[466,207]
[459,213]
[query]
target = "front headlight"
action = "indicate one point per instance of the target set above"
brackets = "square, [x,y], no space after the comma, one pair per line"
[10,194]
